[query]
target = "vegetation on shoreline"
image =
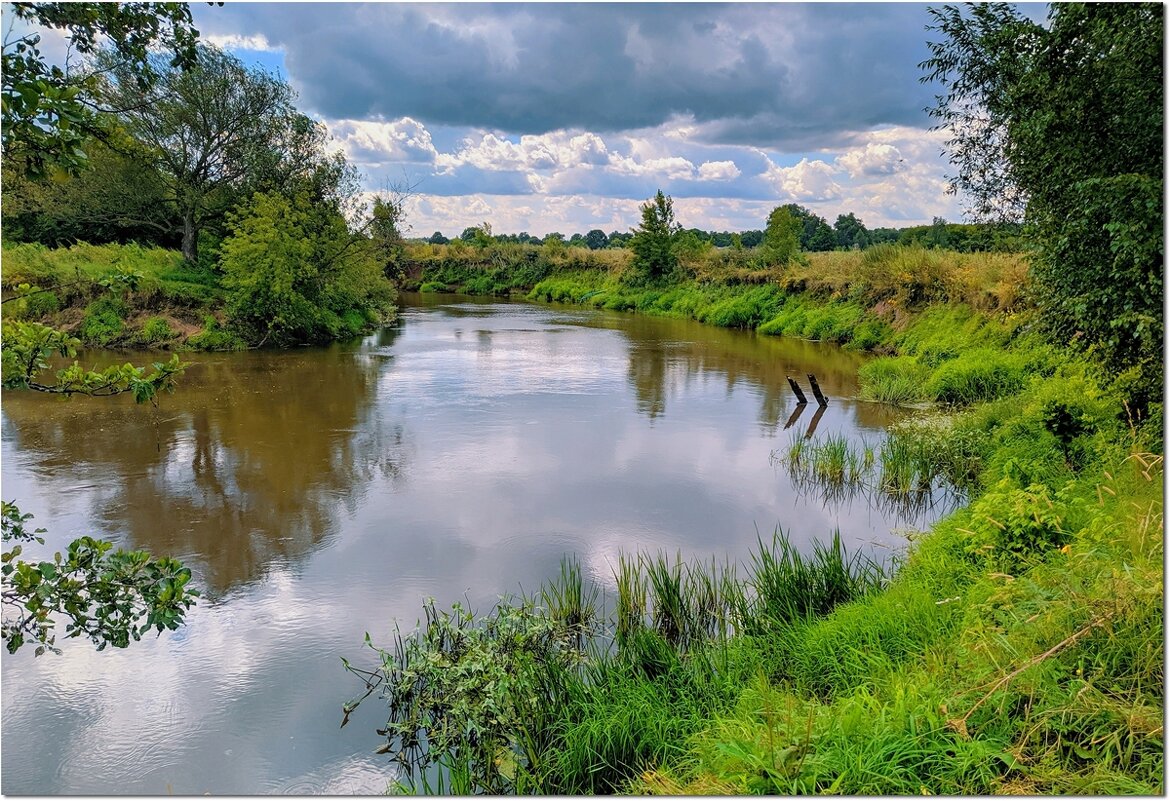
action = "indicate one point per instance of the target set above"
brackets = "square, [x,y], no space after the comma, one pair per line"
[1014,649]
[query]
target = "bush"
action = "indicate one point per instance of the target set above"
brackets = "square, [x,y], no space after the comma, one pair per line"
[291,269]
[35,306]
[157,330]
[103,321]
[214,337]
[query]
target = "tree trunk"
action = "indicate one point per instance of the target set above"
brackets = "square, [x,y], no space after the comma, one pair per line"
[190,245]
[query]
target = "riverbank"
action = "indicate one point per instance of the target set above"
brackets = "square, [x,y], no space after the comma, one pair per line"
[129,296]
[1015,648]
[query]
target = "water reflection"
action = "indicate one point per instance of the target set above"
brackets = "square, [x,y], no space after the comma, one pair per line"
[253,460]
[323,493]
[667,355]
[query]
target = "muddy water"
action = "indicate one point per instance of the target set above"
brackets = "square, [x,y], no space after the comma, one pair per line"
[320,494]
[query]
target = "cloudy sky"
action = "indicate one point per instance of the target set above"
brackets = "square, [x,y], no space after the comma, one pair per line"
[542,117]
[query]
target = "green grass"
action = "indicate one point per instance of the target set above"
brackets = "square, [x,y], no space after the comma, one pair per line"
[894,379]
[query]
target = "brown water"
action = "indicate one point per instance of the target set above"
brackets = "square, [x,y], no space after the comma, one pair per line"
[320,494]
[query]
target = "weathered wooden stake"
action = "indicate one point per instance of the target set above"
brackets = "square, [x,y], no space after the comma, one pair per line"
[796,388]
[816,388]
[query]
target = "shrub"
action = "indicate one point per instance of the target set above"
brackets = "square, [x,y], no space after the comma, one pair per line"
[214,337]
[103,320]
[157,330]
[35,306]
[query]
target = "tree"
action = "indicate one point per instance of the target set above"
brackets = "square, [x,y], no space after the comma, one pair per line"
[111,597]
[815,233]
[782,236]
[117,198]
[554,244]
[596,239]
[437,238]
[386,240]
[653,240]
[211,131]
[49,112]
[1061,126]
[850,232]
[689,248]
[752,239]
[619,239]
[296,274]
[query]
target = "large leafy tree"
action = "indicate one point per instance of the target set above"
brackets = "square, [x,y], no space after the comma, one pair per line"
[50,112]
[653,240]
[1061,125]
[296,273]
[781,236]
[211,131]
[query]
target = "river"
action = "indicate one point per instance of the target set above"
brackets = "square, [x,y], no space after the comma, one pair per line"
[319,494]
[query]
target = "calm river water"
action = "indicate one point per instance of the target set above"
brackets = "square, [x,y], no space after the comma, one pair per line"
[320,494]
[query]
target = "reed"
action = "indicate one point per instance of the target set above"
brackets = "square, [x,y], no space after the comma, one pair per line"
[786,587]
[568,600]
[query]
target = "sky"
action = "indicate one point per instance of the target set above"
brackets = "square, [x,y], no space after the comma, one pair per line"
[567,117]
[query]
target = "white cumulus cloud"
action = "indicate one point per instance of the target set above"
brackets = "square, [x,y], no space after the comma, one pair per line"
[375,142]
[235,41]
[873,159]
[805,182]
[718,171]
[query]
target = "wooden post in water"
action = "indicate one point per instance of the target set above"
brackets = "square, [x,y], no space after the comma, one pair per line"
[816,388]
[796,388]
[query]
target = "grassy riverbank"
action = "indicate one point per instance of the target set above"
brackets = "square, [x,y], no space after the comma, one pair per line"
[1014,648]
[130,296]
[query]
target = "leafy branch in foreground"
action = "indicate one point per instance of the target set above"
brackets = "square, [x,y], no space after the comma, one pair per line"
[29,346]
[111,598]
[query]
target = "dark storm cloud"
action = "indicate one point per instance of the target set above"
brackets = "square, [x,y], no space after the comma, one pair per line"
[769,75]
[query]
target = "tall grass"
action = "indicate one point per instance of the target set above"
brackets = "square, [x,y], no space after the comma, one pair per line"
[786,587]
[895,380]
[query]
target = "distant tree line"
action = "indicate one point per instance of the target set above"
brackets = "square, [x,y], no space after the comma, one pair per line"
[814,235]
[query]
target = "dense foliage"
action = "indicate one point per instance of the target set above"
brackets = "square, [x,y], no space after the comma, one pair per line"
[782,236]
[209,132]
[294,273]
[51,111]
[1062,124]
